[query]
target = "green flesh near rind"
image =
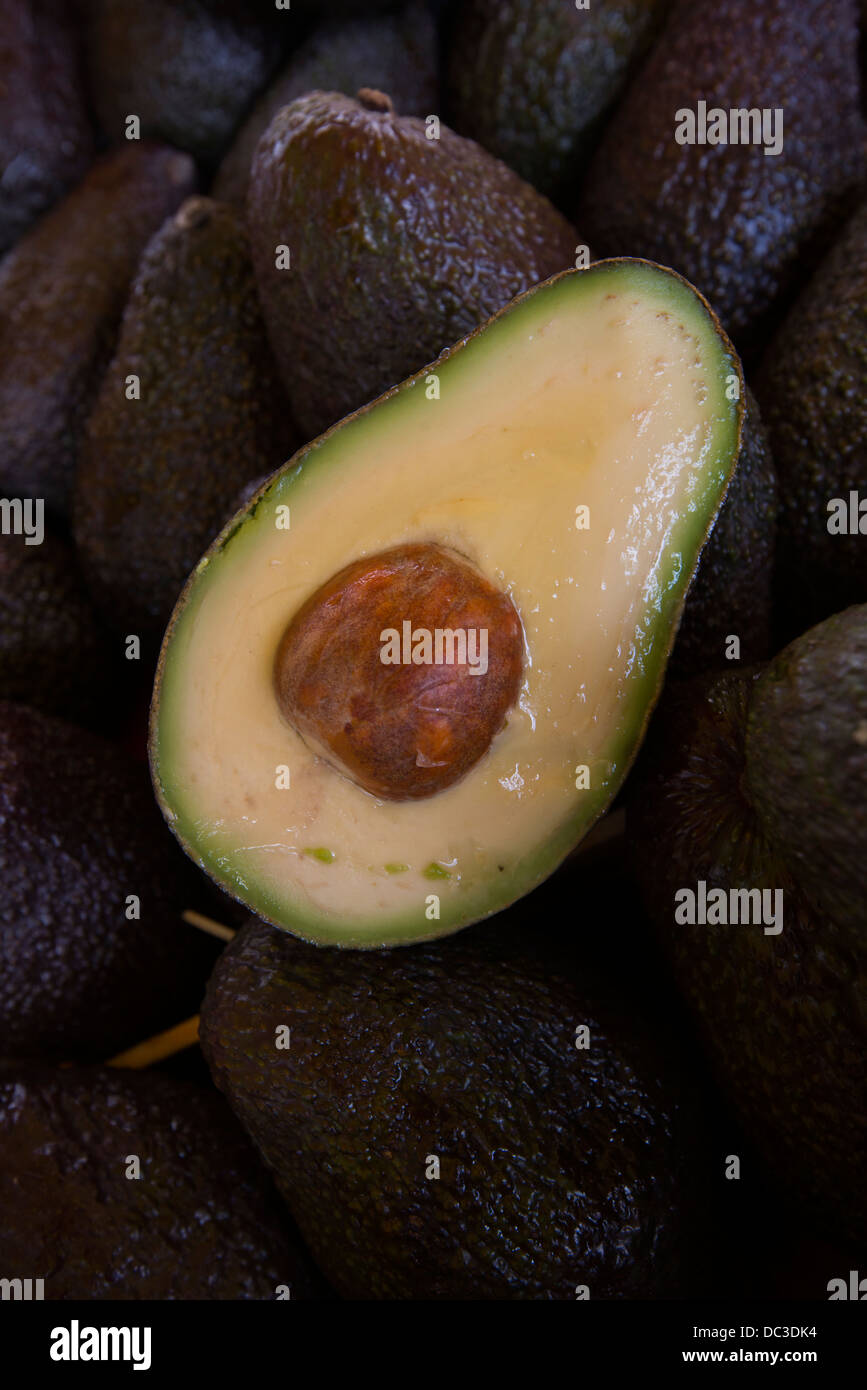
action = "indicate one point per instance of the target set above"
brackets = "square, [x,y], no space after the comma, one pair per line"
[401,409]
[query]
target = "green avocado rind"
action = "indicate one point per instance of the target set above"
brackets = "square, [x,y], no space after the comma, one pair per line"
[330,452]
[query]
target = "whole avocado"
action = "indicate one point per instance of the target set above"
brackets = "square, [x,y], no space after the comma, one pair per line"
[46,142]
[157,473]
[54,654]
[395,53]
[399,245]
[94,955]
[812,390]
[757,780]
[558,1164]
[187,69]
[200,1220]
[737,219]
[62,292]
[532,80]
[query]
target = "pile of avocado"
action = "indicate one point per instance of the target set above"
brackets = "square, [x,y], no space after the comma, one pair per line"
[433,475]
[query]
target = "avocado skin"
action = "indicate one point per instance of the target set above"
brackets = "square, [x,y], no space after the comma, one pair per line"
[79,833]
[156,476]
[781,1016]
[732,592]
[396,54]
[811,386]
[737,223]
[559,1166]
[531,80]
[400,246]
[187,68]
[46,141]
[54,654]
[807,748]
[202,1221]
[62,291]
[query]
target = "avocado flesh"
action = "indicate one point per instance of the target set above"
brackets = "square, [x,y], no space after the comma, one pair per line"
[604,388]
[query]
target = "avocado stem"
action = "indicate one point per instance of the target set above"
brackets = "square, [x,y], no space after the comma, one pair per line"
[197,919]
[159,1047]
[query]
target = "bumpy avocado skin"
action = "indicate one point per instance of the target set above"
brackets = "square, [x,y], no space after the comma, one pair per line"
[396,54]
[807,765]
[79,834]
[811,389]
[400,245]
[201,1222]
[732,593]
[187,68]
[54,654]
[737,223]
[532,80]
[62,292]
[559,1166]
[157,475]
[46,141]
[782,1015]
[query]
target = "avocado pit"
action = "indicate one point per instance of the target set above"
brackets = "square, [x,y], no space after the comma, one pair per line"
[402,668]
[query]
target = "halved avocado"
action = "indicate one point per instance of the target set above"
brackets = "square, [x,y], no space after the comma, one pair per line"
[559,469]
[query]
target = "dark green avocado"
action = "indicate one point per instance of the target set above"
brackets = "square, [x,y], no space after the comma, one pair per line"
[757,783]
[440,1133]
[532,80]
[62,292]
[394,53]
[54,654]
[739,223]
[188,69]
[46,142]
[812,391]
[200,1219]
[158,473]
[732,593]
[83,971]
[399,245]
